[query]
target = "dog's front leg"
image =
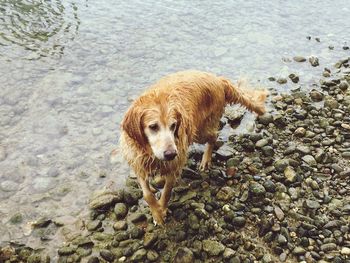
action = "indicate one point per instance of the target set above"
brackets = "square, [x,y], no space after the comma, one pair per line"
[166,193]
[153,203]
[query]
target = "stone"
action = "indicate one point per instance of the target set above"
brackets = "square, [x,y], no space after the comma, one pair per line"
[345,251]
[299,251]
[184,255]
[290,174]
[281,164]
[228,253]
[281,80]
[256,189]
[311,204]
[139,255]
[120,210]
[152,255]
[310,160]
[300,132]
[107,255]
[137,217]
[224,153]
[120,225]
[265,119]
[212,247]
[299,59]
[261,143]
[314,61]
[105,198]
[328,247]
[238,221]
[294,78]
[65,251]
[93,225]
[226,193]
[279,213]
[342,85]
[149,239]
[331,103]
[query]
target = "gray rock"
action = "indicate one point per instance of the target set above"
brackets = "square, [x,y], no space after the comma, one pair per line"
[261,143]
[238,221]
[281,240]
[345,251]
[213,248]
[279,213]
[303,149]
[9,186]
[331,103]
[268,151]
[311,204]
[265,119]
[107,255]
[94,225]
[281,164]
[152,255]
[184,255]
[137,217]
[315,95]
[299,59]
[139,255]
[343,86]
[120,210]
[281,80]
[310,160]
[294,78]
[224,153]
[120,225]
[314,61]
[298,251]
[328,247]
[189,195]
[65,251]
[300,132]
[290,174]
[149,239]
[105,198]
[226,193]
[256,189]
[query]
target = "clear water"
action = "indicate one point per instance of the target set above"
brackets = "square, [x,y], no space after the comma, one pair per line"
[69,69]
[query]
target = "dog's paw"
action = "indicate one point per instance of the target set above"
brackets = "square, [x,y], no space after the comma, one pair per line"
[159,216]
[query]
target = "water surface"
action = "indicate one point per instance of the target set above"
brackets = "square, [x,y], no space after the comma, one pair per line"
[69,69]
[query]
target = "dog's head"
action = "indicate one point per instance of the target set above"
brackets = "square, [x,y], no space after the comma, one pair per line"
[155,126]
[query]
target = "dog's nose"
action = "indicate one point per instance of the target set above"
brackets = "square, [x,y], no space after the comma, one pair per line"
[170,155]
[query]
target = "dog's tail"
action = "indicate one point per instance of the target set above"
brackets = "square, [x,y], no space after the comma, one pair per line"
[253,100]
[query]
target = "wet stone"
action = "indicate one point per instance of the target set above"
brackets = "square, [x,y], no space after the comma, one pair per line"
[149,239]
[281,80]
[345,251]
[93,260]
[256,189]
[281,164]
[279,213]
[290,174]
[331,103]
[328,247]
[310,160]
[120,210]
[213,248]
[343,86]
[311,204]
[137,217]
[298,251]
[268,151]
[139,255]
[120,225]
[224,153]
[266,118]
[64,251]
[299,59]
[225,193]
[228,253]
[238,221]
[107,255]
[294,78]
[94,225]
[314,61]
[184,255]
[152,255]
[261,143]
[103,199]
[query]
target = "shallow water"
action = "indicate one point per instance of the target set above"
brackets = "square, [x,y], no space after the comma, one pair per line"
[69,69]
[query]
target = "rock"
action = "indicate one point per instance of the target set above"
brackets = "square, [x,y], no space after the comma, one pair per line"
[281,164]
[107,255]
[120,225]
[184,255]
[120,210]
[300,132]
[137,217]
[331,103]
[94,225]
[343,86]
[189,195]
[328,247]
[226,193]
[345,251]
[265,119]
[93,260]
[65,251]
[152,255]
[238,221]
[281,80]
[213,248]
[269,186]
[310,160]
[224,153]
[256,189]
[290,174]
[139,255]
[299,59]
[105,198]
[314,61]
[228,253]
[190,174]
[303,149]
[279,213]
[298,251]
[294,78]
[132,195]
[261,143]
[280,121]
[281,240]
[268,151]
[149,239]
[311,204]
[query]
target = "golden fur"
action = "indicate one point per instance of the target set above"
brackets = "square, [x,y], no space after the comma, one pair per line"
[196,100]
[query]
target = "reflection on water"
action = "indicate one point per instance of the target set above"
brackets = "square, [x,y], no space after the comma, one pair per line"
[37,28]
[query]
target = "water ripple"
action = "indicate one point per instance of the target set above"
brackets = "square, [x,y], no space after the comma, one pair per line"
[34,29]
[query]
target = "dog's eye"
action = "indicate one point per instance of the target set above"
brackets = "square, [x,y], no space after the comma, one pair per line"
[154,127]
[173,126]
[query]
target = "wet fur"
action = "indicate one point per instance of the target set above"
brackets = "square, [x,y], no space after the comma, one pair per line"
[197,101]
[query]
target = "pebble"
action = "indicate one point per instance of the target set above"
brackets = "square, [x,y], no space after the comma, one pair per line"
[281,80]
[299,59]
[310,160]
[290,174]
[212,247]
[225,193]
[184,255]
[345,251]
[137,217]
[300,132]
[261,143]
[279,213]
[256,189]
[152,255]
[311,204]
[314,61]
[120,225]
[294,78]
[328,247]
[120,210]
[149,239]
[266,119]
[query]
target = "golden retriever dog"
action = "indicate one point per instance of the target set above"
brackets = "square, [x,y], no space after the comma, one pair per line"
[180,109]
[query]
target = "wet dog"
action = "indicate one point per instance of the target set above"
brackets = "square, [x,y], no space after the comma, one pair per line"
[180,109]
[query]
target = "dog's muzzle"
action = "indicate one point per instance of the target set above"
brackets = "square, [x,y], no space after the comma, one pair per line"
[170,155]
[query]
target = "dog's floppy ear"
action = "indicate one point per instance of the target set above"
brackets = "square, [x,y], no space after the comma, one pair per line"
[132,124]
[183,127]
